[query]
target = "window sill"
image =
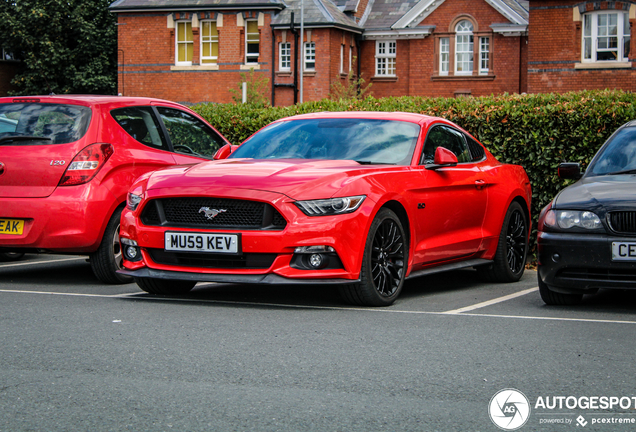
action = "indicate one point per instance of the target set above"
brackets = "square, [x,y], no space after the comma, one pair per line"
[309,73]
[384,78]
[250,66]
[195,67]
[284,73]
[463,77]
[604,65]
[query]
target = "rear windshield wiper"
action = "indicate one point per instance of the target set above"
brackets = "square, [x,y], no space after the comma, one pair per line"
[23,138]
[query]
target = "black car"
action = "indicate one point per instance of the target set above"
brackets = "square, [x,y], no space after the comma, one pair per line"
[587,234]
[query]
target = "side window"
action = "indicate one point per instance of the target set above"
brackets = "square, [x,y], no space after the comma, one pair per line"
[476,150]
[450,139]
[188,134]
[141,124]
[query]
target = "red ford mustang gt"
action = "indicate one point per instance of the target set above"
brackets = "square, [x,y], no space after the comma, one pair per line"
[359,199]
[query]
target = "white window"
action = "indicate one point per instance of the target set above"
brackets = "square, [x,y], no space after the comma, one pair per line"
[350,58]
[184,43]
[209,42]
[464,48]
[342,69]
[7,55]
[385,54]
[284,62]
[484,55]
[310,56]
[444,55]
[606,36]
[252,42]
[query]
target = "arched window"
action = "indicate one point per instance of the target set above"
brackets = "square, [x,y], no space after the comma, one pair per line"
[464,48]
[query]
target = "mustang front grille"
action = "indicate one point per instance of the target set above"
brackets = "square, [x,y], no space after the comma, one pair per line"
[623,222]
[216,261]
[212,213]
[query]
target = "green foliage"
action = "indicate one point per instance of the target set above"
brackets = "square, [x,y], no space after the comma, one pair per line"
[535,131]
[352,89]
[66,46]
[257,87]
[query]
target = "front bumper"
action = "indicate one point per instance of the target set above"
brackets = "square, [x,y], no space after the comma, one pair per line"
[581,263]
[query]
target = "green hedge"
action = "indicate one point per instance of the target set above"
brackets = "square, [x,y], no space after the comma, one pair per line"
[535,131]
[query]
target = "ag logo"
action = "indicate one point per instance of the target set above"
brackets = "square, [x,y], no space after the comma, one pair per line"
[509,409]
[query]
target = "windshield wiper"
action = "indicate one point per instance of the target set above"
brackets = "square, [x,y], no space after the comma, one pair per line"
[23,138]
[367,162]
[631,171]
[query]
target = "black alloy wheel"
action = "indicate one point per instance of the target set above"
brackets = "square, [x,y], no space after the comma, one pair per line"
[383,264]
[516,241]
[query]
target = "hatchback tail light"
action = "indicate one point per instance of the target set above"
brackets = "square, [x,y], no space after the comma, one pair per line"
[86,164]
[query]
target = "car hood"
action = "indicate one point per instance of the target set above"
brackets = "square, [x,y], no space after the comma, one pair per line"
[611,192]
[294,178]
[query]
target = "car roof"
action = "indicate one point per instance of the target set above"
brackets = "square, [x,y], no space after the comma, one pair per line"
[87,99]
[373,115]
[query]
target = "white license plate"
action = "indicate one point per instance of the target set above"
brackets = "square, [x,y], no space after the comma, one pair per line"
[202,242]
[623,251]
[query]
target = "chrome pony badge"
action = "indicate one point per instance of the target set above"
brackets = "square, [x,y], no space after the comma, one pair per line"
[211,213]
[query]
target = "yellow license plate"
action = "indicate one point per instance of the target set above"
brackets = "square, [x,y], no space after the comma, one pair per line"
[11,226]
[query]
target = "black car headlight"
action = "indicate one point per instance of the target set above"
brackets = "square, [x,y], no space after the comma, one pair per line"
[329,207]
[572,219]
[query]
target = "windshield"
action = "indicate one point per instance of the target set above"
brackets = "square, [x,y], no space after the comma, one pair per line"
[37,124]
[362,140]
[618,156]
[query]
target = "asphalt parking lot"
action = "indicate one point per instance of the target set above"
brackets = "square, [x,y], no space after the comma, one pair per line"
[80,355]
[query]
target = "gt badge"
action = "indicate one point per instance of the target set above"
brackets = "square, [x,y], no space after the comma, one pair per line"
[211,213]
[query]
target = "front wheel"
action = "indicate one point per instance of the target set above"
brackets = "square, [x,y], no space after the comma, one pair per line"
[107,259]
[383,264]
[550,297]
[164,286]
[512,250]
[11,256]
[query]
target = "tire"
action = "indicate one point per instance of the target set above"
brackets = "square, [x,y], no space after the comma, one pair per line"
[550,297]
[164,286]
[11,256]
[383,264]
[108,258]
[512,249]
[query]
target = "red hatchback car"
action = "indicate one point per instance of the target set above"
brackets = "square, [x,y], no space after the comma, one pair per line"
[359,199]
[66,163]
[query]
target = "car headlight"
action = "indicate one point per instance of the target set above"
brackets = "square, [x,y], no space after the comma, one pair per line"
[332,206]
[567,219]
[132,201]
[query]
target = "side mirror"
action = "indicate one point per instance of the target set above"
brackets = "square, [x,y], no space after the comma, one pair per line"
[569,171]
[443,158]
[224,152]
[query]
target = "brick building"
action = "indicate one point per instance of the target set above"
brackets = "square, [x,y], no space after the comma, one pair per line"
[576,45]
[196,50]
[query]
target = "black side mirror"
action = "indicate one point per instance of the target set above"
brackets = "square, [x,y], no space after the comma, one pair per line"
[569,171]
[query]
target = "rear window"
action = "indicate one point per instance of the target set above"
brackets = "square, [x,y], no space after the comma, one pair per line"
[40,123]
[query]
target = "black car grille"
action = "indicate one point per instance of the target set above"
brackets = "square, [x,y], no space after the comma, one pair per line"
[206,260]
[600,275]
[230,214]
[623,222]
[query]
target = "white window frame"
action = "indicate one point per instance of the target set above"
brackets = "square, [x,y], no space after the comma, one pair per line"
[309,57]
[7,55]
[385,58]
[464,36]
[591,37]
[284,56]
[444,56]
[484,55]
[185,43]
[209,40]
[248,56]
[342,48]
[350,58]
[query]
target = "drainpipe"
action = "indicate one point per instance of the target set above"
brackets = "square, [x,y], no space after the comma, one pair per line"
[273,67]
[359,59]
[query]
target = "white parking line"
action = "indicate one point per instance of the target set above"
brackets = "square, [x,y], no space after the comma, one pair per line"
[491,302]
[41,262]
[144,296]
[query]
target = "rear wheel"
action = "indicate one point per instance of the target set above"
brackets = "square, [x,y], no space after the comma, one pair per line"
[512,249]
[165,286]
[108,258]
[11,256]
[383,265]
[550,297]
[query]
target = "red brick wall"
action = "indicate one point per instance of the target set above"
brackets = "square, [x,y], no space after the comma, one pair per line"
[417,68]
[555,49]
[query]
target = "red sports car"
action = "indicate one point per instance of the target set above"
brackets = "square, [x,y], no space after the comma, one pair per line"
[66,163]
[359,199]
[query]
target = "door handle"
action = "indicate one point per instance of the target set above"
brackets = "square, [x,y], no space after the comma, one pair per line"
[480,184]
